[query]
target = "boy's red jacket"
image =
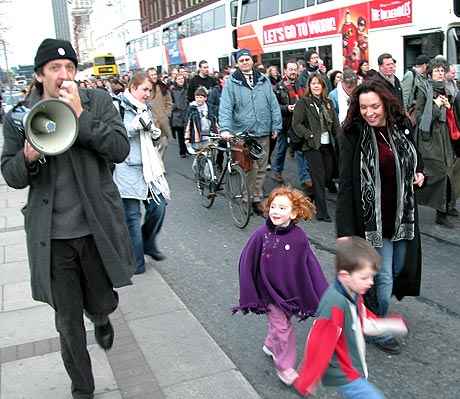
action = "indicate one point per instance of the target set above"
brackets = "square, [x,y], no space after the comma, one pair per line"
[335,347]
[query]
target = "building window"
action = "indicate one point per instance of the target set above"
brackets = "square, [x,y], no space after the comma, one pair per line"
[248,11]
[219,17]
[290,5]
[268,8]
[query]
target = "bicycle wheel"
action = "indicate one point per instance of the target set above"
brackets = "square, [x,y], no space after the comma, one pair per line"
[205,180]
[238,196]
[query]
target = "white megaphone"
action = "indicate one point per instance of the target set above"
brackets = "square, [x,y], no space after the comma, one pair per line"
[51,126]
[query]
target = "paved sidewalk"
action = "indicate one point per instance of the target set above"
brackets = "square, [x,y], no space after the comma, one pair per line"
[160,350]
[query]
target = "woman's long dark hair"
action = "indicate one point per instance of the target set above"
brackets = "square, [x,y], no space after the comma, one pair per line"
[318,76]
[394,111]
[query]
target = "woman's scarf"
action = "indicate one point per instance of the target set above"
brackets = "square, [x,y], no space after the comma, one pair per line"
[429,89]
[152,165]
[324,114]
[405,161]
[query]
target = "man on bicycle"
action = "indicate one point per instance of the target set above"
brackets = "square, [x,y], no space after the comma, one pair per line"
[248,103]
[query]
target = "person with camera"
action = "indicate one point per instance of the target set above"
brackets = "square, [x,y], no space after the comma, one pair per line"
[435,146]
[248,103]
[73,219]
[141,176]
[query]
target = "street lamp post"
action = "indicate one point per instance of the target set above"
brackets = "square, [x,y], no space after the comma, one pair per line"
[6,64]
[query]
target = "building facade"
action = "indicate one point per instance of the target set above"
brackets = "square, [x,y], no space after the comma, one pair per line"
[157,12]
[81,10]
[61,20]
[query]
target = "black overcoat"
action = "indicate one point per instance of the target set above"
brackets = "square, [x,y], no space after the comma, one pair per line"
[349,213]
[102,140]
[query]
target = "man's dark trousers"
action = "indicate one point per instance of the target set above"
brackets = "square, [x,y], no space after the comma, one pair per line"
[79,283]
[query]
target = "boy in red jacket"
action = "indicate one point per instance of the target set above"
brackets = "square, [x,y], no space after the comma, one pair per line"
[335,348]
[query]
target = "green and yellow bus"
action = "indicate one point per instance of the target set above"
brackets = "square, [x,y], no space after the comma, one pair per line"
[104,65]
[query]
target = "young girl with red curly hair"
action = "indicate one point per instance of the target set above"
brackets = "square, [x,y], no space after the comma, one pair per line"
[280,276]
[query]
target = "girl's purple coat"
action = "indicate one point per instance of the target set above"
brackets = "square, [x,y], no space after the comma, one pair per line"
[277,266]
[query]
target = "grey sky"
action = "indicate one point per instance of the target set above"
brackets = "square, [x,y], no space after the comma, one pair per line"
[28,23]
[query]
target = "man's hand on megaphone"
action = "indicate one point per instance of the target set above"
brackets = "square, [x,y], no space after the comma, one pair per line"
[30,153]
[68,93]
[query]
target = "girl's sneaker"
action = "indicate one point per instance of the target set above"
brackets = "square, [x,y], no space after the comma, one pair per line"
[268,352]
[288,376]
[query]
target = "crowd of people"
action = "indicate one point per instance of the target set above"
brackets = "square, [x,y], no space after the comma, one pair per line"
[381,144]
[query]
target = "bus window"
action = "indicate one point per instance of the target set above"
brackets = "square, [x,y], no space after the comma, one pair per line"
[310,3]
[234,12]
[207,20]
[268,8]
[269,59]
[457,8]
[104,60]
[430,44]
[248,11]
[325,53]
[195,25]
[453,45]
[291,5]
[219,17]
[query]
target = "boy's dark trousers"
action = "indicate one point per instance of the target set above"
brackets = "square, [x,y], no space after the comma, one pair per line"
[179,133]
[79,283]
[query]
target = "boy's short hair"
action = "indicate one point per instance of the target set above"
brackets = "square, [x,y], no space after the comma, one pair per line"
[354,253]
[201,91]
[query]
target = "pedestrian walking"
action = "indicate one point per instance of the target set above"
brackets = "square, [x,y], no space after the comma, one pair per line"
[179,111]
[316,126]
[248,103]
[73,219]
[280,276]
[140,178]
[335,348]
[161,105]
[379,171]
[435,146]
[288,92]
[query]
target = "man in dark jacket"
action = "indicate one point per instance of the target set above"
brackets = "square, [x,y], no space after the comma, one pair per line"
[313,65]
[287,92]
[202,78]
[386,74]
[74,220]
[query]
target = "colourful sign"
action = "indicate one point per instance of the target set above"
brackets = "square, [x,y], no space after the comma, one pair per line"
[373,14]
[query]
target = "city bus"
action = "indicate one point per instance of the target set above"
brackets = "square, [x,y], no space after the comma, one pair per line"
[104,65]
[344,32]
[205,33]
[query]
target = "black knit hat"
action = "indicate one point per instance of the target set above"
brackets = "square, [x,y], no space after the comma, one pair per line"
[54,49]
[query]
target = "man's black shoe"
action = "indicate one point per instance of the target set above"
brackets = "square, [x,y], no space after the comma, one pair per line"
[326,218]
[442,220]
[453,212]
[157,255]
[104,335]
[390,346]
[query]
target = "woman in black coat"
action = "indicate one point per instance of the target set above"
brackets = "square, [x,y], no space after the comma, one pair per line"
[315,126]
[179,111]
[379,171]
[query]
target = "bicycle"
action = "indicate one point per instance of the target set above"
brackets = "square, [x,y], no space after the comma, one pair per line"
[232,178]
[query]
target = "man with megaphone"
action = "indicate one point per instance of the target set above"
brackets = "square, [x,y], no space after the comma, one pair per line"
[77,242]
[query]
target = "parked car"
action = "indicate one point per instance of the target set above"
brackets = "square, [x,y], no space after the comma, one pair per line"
[9,100]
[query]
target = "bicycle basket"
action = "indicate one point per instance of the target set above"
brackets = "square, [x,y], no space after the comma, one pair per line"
[240,155]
